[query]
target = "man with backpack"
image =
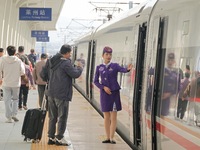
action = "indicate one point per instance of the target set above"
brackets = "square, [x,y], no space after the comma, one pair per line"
[32,57]
[21,54]
[61,72]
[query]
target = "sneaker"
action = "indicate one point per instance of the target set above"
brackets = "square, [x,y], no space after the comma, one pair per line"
[62,142]
[51,141]
[20,109]
[9,120]
[15,118]
[25,108]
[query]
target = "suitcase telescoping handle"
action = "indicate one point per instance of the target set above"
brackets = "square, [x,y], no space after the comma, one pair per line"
[44,103]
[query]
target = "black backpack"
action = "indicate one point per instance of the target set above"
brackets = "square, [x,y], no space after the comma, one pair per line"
[31,59]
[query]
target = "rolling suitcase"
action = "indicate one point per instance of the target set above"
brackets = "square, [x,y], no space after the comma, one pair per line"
[33,123]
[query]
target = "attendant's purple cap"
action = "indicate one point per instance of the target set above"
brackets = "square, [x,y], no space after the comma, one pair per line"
[107,50]
[171,56]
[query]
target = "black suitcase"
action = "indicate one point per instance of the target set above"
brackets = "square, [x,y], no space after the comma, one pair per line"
[33,124]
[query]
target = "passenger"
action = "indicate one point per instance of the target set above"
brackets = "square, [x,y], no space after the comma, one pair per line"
[187,69]
[149,90]
[41,85]
[183,101]
[1,52]
[193,91]
[12,68]
[82,60]
[21,54]
[109,92]
[1,91]
[30,66]
[171,84]
[32,57]
[24,88]
[61,72]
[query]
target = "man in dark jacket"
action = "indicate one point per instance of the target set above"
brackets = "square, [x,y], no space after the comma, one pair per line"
[32,57]
[61,72]
[21,54]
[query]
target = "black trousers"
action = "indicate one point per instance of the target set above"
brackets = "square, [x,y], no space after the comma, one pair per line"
[182,105]
[23,95]
[41,90]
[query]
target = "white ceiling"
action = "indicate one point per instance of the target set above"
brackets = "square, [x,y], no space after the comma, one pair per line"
[56,6]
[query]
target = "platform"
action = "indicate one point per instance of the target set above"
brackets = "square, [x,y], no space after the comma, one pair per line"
[85,129]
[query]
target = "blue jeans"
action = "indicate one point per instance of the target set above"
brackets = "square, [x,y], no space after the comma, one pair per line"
[58,113]
[11,97]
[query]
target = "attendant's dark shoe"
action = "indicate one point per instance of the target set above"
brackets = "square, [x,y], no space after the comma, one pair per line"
[106,141]
[112,142]
[51,141]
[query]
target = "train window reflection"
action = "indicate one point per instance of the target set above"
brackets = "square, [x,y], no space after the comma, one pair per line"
[181,90]
[170,86]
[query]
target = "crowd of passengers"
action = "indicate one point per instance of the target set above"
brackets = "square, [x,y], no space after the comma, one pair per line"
[20,72]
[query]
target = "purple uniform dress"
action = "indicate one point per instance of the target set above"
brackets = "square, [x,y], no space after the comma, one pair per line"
[106,75]
[170,86]
[171,80]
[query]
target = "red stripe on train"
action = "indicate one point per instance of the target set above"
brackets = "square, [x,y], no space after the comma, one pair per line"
[194,99]
[175,137]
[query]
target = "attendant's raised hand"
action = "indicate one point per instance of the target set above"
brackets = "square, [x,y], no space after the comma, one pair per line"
[130,66]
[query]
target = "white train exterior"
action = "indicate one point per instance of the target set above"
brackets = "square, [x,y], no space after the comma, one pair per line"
[146,36]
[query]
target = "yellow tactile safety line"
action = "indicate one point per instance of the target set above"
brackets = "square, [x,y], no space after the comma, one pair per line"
[42,145]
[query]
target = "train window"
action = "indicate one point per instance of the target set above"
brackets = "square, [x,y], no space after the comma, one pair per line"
[181,87]
[185,29]
[180,82]
[82,57]
[171,80]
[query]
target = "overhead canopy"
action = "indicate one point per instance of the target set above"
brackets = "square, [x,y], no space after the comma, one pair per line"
[56,6]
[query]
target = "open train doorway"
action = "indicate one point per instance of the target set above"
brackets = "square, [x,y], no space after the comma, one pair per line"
[138,84]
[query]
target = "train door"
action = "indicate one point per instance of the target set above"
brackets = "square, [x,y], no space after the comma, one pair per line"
[158,71]
[82,54]
[88,71]
[138,84]
[74,57]
[92,69]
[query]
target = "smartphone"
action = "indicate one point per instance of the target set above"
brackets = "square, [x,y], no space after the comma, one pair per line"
[76,63]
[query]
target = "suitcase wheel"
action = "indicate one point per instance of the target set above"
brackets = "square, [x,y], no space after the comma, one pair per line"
[24,139]
[35,141]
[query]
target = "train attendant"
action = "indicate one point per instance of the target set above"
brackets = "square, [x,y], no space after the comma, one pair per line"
[171,84]
[109,92]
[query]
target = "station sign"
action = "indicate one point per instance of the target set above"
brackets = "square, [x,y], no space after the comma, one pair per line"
[39,33]
[42,39]
[35,14]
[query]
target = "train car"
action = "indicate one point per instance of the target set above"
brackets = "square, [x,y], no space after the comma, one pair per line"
[161,39]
